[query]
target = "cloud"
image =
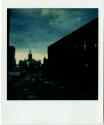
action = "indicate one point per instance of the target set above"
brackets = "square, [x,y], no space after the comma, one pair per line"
[38,28]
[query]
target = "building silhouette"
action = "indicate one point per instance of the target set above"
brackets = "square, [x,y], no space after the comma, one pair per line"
[30,55]
[11,57]
[74,58]
[30,65]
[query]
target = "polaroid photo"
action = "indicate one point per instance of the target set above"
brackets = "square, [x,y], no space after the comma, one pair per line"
[52,62]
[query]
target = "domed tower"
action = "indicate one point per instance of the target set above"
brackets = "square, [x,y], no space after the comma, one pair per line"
[30,55]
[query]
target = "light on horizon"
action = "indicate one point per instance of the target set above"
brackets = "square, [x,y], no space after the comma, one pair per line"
[24,55]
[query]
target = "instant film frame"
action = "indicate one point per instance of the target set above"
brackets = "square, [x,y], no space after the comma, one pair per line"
[52,112]
[59,77]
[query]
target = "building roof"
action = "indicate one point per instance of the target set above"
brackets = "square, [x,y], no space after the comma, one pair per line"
[75,33]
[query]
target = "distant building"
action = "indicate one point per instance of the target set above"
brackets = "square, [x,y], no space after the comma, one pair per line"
[45,66]
[30,55]
[30,64]
[75,58]
[11,57]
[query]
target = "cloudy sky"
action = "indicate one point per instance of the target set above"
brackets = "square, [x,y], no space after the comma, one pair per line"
[36,29]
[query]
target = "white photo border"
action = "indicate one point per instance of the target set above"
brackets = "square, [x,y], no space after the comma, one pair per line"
[51,112]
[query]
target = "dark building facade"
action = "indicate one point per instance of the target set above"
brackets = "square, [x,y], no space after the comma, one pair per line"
[11,57]
[74,58]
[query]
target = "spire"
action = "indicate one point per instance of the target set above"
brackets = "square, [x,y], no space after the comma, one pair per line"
[30,51]
[30,55]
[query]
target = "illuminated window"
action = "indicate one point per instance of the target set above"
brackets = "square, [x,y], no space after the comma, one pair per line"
[85,45]
[95,45]
[86,65]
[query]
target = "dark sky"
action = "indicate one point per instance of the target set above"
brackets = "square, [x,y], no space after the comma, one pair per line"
[36,29]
